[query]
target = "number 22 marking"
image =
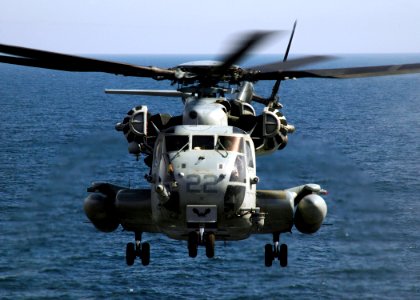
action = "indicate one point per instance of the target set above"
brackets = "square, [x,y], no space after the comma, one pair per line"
[195,185]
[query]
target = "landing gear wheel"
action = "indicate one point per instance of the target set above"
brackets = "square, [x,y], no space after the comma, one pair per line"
[268,255]
[283,255]
[192,244]
[130,254]
[275,251]
[145,254]
[210,241]
[139,250]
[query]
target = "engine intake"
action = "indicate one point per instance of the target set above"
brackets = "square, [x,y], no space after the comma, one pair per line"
[140,128]
[271,132]
[134,124]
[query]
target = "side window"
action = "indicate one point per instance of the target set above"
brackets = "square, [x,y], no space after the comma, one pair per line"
[239,172]
[248,153]
[158,153]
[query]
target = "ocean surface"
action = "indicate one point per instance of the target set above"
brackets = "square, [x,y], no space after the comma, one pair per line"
[358,138]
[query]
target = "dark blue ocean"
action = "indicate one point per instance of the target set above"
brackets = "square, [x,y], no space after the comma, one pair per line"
[358,138]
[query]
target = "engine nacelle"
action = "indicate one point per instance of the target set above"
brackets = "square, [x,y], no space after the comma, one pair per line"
[101,212]
[134,124]
[141,129]
[310,213]
[271,132]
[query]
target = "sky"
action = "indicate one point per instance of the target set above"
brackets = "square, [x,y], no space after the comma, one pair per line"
[210,26]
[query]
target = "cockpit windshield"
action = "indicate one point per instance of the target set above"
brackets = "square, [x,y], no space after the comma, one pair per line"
[231,143]
[203,142]
[176,142]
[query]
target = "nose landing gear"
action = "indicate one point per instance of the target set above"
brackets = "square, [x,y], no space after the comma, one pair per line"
[276,251]
[192,244]
[207,240]
[139,250]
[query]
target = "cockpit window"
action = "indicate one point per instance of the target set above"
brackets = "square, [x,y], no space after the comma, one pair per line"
[238,173]
[176,142]
[248,153]
[231,143]
[203,142]
[158,153]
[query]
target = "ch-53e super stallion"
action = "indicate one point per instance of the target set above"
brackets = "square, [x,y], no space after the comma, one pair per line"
[203,181]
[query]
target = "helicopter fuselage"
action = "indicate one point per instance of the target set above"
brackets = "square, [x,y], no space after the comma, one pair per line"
[204,176]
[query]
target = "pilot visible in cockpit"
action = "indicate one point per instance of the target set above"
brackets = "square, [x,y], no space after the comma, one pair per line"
[230,143]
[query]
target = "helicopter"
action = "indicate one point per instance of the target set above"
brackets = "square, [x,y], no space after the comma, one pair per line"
[202,163]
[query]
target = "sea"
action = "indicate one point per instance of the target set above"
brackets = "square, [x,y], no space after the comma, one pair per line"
[358,138]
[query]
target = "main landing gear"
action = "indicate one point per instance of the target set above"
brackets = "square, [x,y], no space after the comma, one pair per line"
[276,251]
[195,239]
[139,250]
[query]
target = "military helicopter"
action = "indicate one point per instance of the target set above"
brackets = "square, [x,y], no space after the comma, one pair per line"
[202,164]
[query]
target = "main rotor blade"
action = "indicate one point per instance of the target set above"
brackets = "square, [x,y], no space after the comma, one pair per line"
[290,64]
[161,93]
[249,42]
[339,73]
[276,86]
[290,41]
[59,61]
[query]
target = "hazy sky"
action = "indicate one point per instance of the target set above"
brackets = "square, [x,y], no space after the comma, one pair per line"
[194,26]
